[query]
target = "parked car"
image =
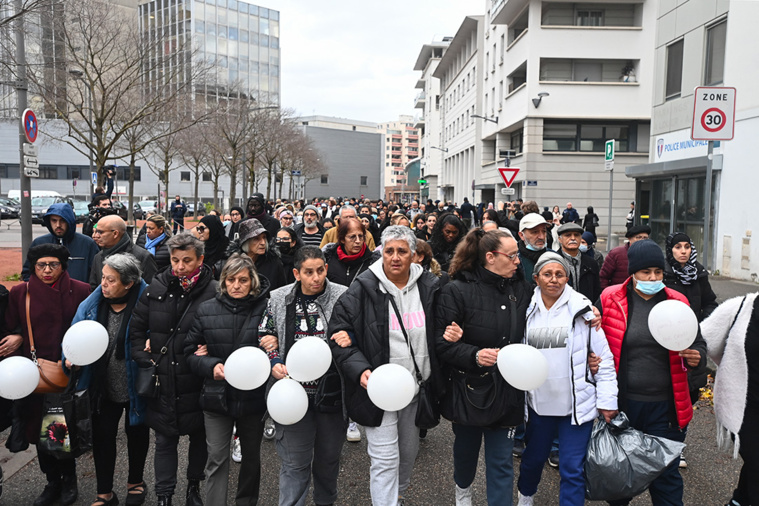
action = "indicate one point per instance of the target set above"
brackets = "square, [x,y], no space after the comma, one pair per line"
[40,206]
[9,208]
[121,209]
[148,206]
[191,210]
[81,210]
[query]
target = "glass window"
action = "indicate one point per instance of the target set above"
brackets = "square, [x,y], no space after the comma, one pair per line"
[232,63]
[232,4]
[48,172]
[324,179]
[559,137]
[222,47]
[242,7]
[244,36]
[659,213]
[207,176]
[715,54]
[200,26]
[199,10]
[254,67]
[263,12]
[589,18]
[517,140]
[233,34]
[264,69]
[263,55]
[232,18]
[274,28]
[210,13]
[273,70]
[184,175]
[274,15]
[253,24]
[253,9]
[210,43]
[592,138]
[243,50]
[263,41]
[211,29]
[674,70]
[222,31]
[364,180]
[221,16]
[221,61]
[254,38]
[232,46]
[264,26]
[274,42]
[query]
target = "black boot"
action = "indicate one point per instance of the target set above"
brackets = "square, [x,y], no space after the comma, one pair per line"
[193,493]
[50,494]
[69,490]
[164,500]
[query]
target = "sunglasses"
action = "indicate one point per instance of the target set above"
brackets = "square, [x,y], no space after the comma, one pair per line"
[201,229]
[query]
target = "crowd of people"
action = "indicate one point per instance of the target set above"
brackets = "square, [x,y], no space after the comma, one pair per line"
[437,289]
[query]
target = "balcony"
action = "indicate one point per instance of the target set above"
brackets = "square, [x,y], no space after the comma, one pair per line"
[413,137]
[420,101]
[419,123]
[503,12]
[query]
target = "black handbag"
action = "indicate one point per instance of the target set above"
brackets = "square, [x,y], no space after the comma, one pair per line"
[427,408]
[213,396]
[147,383]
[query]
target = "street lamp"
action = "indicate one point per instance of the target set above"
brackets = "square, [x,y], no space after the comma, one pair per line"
[485,118]
[78,74]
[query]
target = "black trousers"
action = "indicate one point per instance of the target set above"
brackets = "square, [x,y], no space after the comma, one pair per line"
[167,460]
[105,428]
[55,469]
[748,485]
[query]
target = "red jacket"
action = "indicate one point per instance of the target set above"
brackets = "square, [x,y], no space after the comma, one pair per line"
[614,269]
[614,324]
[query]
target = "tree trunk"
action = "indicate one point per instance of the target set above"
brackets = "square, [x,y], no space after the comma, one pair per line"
[216,192]
[195,202]
[233,184]
[269,171]
[130,211]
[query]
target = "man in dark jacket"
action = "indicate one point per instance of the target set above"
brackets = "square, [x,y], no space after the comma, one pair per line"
[533,229]
[159,326]
[110,235]
[178,210]
[583,276]
[468,214]
[614,270]
[61,223]
[256,209]
[570,215]
[99,207]
[310,231]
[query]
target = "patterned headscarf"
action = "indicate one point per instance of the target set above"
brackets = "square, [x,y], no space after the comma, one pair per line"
[687,273]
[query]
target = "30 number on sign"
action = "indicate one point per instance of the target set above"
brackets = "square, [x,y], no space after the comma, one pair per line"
[713,120]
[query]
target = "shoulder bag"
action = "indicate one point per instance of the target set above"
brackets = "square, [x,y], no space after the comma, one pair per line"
[427,408]
[52,378]
[147,383]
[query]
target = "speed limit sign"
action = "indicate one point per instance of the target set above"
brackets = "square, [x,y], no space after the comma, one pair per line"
[713,114]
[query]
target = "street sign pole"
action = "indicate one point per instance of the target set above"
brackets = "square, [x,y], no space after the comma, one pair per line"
[708,203]
[25,184]
[609,166]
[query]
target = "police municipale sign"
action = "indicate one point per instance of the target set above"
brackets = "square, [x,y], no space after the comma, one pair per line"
[713,114]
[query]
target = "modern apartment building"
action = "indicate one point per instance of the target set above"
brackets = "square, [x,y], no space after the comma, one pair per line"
[459,72]
[401,145]
[352,152]
[238,39]
[710,43]
[429,124]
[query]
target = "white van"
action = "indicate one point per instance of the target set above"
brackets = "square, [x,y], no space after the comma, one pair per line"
[16,194]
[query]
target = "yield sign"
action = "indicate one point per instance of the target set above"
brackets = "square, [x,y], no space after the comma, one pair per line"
[509,174]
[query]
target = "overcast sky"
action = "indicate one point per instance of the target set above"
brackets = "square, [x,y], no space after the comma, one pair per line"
[355,58]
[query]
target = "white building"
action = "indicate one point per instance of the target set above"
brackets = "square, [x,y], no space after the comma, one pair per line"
[558,79]
[459,72]
[706,43]
[401,146]
[429,123]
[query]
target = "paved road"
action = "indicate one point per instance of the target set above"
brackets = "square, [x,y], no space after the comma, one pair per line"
[709,479]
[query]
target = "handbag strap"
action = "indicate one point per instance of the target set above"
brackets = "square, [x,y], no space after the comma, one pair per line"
[513,310]
[29,327]
[405,336]
[165,348]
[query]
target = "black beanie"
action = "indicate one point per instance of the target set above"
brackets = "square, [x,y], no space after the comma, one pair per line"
[679,237]
[645,254]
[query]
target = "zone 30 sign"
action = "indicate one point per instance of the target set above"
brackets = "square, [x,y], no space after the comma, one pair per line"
[713,114]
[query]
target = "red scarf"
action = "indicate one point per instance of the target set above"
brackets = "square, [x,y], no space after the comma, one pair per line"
[345,257]
[187,282]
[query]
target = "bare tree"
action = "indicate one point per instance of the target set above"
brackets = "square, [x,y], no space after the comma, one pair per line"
[9,13]
[195,154]
[277,126]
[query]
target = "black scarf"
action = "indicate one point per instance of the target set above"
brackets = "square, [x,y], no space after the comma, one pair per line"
[104,308]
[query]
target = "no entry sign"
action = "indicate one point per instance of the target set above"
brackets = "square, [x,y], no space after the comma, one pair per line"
[713,114]
[29,121]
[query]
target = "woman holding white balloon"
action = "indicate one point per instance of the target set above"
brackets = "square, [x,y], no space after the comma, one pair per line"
[652,366]
[480,311]
[222,325]
[385,317]
[53,298]
[572,397]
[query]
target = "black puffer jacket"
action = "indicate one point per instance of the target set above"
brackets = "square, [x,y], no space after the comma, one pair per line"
[162,255]
[481,303]
[363,312]
[176,410]
[219,324]
[343,273]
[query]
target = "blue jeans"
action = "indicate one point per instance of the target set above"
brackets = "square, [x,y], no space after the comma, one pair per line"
[521,431]
[653,418]
[574,445]
[499,469]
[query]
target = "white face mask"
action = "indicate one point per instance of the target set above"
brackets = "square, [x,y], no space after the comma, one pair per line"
[583,247]
[649,287]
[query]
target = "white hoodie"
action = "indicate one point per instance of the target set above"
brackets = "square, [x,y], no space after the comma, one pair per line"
[410,306]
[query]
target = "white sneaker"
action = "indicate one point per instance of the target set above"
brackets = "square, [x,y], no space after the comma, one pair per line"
[525,500]
[464,496]
[683,464]
[353,435]
[236,450]
[270,430]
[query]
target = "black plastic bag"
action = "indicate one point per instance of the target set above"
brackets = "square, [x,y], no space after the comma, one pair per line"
[66,430]
[622,462]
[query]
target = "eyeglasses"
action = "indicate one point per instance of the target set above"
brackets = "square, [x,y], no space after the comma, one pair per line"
[200,229]
[355,237]
[510,257]
[98,231]
[548,277]
[310,215]
[287,218]
[41,266]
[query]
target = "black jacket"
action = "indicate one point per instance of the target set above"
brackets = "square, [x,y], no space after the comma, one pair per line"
[702,298]
[176,410]
[162,255]
[343,273]
[219,324]
[590,279]
[362,311]
[481,303]
[125,245]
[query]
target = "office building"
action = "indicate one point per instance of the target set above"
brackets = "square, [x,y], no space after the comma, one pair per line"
[401,146]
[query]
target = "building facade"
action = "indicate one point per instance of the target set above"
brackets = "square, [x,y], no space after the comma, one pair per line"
[352,153]
[401,140]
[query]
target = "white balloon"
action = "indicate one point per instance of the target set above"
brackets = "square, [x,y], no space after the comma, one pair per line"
[247,368]
[391,387]
[85,342]
[18,377]
[308,359]
[673,324]
[522,366]
[287,402]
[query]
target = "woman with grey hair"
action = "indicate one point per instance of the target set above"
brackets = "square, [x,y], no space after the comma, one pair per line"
[222,325]
[386,316]
[110,380]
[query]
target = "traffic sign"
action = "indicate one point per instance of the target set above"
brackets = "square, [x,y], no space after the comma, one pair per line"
[31,150]
[422,181]
[31,162]
[32,171]
[508,191]
[509,174]
[713,114]
[29,121]
[609,155]
[94,178]
[296,172]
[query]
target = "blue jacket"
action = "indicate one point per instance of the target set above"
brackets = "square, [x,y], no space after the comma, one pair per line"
[88,310]
[82,249]
[178,210]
